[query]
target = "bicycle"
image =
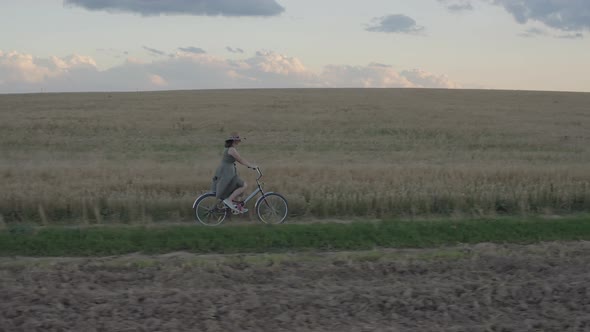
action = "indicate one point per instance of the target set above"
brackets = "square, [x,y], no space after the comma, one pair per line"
[271,207]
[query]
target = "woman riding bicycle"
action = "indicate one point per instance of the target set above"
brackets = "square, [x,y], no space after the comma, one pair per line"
[227,185]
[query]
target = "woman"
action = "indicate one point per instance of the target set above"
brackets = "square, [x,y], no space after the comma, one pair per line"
[227,185]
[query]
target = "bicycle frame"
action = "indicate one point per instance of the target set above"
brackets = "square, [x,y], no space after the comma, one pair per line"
[258,187]
[253,194]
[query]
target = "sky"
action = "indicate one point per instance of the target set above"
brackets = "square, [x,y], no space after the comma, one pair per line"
[144,45]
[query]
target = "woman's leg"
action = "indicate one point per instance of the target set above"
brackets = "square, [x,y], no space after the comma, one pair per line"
[238,192]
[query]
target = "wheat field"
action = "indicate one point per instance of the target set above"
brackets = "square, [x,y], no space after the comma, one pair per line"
[334,153]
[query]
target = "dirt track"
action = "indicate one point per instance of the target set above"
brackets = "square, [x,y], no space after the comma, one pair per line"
[478,288]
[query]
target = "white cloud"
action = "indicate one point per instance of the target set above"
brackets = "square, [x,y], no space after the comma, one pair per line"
[274,63]
[423,79]
[134,60]
[371,76]
[25,68]
[157,80]
[382,76]
[21,72]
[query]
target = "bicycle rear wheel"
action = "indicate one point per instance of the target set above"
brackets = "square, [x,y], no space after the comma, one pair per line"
[209,210]
[272,208]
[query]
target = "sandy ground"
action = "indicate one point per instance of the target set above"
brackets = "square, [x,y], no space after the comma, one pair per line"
[544,287]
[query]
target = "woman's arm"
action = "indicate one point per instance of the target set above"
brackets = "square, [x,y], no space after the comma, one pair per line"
[234,153]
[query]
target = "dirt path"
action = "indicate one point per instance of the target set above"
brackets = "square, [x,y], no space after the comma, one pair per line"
[485,287]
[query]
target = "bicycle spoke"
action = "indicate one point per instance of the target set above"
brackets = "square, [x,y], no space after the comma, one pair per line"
[272,209]
[208,212]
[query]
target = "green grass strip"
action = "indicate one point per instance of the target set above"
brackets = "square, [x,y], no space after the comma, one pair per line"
[97,241]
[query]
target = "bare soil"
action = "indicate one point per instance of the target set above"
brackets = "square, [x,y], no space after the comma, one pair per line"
[543,287]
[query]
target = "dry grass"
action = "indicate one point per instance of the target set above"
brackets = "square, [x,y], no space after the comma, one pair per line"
[142,157]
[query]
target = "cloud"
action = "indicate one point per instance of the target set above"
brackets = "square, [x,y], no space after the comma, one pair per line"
[154,52]
[371,76]
[270,62]
[423,79]
[377,75]
[183,7]
[577,35]
[112,52]
[234,50]
[457,5]
[397,23]
[192,49]
[157,80]
[272,70]
[21,72]
[27,69]
[537,32]
[565,15]
[533,32]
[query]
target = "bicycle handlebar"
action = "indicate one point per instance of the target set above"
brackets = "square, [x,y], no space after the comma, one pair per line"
[257,169]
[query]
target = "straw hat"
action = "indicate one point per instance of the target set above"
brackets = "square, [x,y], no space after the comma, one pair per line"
[234,137]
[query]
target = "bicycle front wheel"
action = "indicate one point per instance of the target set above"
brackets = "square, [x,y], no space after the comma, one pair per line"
[272,208]
[209,210]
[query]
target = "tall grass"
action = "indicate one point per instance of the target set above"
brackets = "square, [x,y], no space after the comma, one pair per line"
[143,157]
